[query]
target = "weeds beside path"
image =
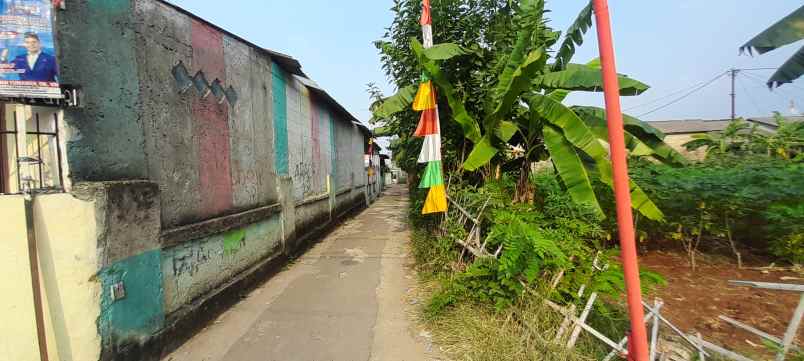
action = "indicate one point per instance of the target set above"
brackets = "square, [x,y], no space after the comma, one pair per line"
[480,332]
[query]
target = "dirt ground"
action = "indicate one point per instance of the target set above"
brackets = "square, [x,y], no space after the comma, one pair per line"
[693,301]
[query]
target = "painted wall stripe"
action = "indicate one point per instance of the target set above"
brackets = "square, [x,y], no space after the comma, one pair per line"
[333,169]
[280,120]
[212,124]
[315,136]
[141,312]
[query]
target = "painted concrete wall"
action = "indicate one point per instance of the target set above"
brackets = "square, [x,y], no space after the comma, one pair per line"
[299,139]
[344,176]
[18,329]
[195,268]
[677,141]
[211,158]
[149,161]
[68,262]
[97,37]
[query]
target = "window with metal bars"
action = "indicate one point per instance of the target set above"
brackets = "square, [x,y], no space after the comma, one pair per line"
[30,151]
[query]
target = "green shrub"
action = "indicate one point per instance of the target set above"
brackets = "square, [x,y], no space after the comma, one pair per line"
[757,200]
[537,241]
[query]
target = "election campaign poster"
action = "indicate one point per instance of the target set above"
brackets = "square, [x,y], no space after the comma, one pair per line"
[28,67]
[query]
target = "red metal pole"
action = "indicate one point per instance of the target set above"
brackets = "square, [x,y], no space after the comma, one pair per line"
[622,192]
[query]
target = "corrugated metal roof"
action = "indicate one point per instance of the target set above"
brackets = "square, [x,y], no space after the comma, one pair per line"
[689,126]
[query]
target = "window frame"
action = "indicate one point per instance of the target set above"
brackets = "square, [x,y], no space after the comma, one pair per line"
[5,167]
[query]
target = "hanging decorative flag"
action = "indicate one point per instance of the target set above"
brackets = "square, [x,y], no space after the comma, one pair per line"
[430,129]
[428,125]
[425,98]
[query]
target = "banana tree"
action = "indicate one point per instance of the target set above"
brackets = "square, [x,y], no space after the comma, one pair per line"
[787,31]
[524,107]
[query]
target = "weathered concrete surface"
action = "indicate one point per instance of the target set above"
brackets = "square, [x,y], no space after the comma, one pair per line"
[97,37]
[344,300]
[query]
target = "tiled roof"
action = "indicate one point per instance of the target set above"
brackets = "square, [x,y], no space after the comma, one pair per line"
[771,121]
[687,126]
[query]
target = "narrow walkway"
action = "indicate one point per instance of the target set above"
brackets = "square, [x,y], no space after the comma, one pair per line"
[345,299]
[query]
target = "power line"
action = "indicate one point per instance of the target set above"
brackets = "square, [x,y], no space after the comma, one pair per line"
[665,96]
[693,91]
[781,94]
[751,69]
[765,82]
[776,91]
[742,86]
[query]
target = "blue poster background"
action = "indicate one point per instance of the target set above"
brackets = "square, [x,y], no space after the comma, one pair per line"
[27,24]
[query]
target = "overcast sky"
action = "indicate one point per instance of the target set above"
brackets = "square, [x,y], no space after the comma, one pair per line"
[670,45]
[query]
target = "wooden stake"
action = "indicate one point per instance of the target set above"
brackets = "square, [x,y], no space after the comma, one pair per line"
[654,334]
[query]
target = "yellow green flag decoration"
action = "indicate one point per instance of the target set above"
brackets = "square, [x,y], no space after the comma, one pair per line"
[430,128]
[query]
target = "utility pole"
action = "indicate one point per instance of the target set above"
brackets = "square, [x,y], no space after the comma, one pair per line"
[733,93]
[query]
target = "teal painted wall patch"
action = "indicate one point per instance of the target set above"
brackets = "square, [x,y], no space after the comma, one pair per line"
[280,120]
[141,312]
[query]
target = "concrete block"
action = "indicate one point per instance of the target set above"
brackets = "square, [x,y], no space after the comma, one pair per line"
[287,200]
[127,216]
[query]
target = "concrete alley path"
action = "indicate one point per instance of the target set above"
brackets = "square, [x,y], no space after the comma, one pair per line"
[345,299]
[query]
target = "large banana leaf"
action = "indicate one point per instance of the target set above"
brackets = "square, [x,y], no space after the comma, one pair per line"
[518,54]
[396,103]
[635,146]
[631,124]
[570,168]
[580,136]
[520,81]
[786,31]
[481,154]
[444,51]
[506,130]
[579,77]
[573,37]
[790,70]
[382,132]
[639,200]
[639,135]
[561,94]
[470,127]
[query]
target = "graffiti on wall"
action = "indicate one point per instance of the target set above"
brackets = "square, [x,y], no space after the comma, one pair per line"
[303,175]
[197,266]
[190,259]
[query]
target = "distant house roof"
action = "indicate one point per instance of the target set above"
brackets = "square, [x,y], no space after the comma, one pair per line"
[770,122]
[690,126]
[317,89]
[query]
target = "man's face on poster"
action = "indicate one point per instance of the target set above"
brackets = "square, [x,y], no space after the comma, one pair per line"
[33,45]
